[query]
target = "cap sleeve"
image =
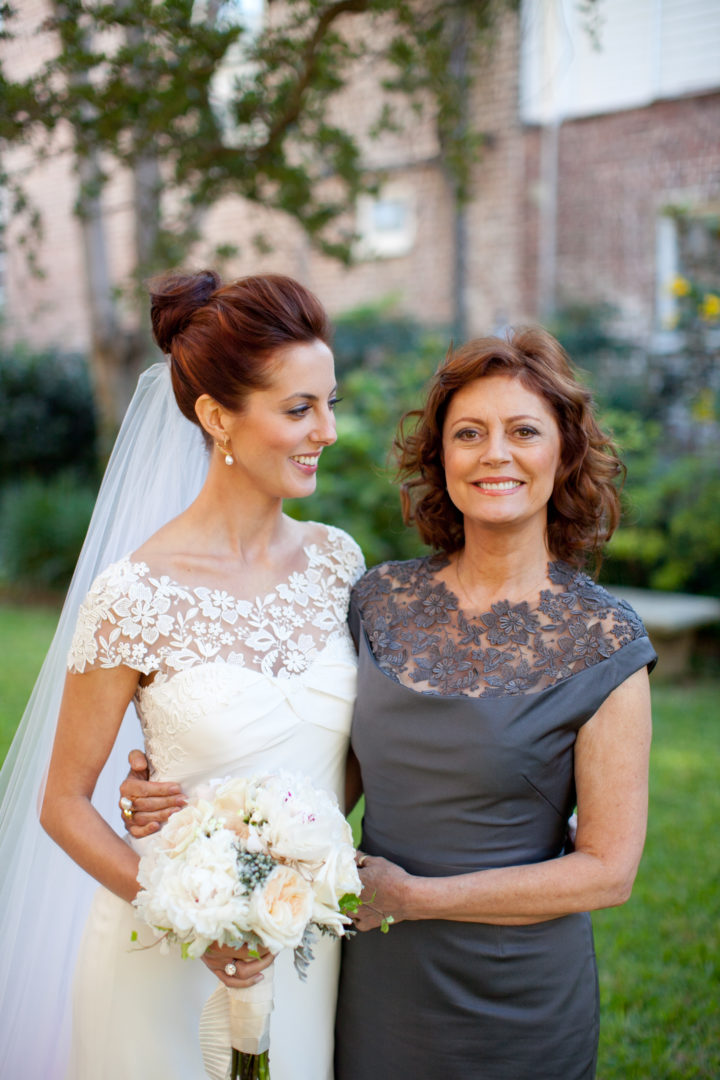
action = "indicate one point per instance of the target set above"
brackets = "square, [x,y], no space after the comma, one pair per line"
[120,620]
[350,563]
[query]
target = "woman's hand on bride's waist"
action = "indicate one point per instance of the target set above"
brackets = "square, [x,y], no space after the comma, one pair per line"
[145,805]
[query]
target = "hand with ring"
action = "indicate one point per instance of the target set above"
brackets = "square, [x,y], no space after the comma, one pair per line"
[236,967]
[383,890]
[146,805]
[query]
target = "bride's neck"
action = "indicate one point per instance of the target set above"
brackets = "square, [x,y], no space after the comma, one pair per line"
[226,521]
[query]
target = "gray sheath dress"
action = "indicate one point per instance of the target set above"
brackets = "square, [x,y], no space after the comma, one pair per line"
[464,728]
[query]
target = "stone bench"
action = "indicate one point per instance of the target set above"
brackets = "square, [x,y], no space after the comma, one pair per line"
[671,620]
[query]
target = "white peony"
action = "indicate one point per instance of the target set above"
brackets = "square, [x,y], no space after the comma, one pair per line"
[197,896]
[298,823]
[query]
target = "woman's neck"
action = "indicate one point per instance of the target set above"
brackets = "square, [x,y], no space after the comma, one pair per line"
[229,524]
[228,520]
[495,565]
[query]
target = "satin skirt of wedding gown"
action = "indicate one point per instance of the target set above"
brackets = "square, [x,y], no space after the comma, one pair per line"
[136,1009]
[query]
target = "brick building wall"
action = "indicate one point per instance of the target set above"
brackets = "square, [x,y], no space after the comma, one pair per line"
[615,175]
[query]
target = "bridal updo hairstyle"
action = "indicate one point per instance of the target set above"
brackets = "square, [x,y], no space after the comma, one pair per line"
[221,339]
[584,509]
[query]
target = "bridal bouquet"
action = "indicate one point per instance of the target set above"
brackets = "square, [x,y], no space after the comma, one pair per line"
[258,861]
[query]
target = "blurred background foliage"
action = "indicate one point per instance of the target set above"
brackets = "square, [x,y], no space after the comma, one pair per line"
[663,410]
[49,470]
[667,431]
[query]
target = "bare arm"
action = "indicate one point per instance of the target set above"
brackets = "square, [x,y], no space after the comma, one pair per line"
[91,712]
[611,774]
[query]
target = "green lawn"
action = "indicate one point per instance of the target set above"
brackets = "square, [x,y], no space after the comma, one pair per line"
[659,954]
[25,633]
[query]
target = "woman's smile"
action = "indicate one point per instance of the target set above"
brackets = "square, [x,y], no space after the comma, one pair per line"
[498,486]
[307,462]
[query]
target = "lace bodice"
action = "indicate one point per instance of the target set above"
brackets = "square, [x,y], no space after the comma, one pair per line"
[236,685]
[157,625]
[420,636]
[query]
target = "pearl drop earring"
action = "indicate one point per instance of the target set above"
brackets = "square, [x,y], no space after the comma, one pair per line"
[227,451]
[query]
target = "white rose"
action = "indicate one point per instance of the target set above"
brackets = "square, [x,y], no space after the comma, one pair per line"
[231,797]
[280,910]
[184,827]
[337,876]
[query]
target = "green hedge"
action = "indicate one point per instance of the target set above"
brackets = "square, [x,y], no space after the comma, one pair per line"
[47,417]
[42,527]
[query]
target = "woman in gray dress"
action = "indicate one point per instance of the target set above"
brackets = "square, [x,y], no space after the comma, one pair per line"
[499,687]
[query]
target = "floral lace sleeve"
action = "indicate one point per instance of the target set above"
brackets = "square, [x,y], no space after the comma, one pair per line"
[121,619]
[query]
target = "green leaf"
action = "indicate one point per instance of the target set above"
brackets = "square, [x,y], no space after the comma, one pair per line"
[349,903]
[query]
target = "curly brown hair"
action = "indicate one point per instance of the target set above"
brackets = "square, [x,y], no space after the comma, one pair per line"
[584,509]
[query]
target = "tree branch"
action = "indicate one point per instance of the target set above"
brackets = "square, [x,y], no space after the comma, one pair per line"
[293,108]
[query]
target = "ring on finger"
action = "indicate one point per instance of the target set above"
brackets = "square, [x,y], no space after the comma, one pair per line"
[231,969]
[362,859]
[126,805]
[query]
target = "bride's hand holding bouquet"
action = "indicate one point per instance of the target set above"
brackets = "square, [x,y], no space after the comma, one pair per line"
[257,863]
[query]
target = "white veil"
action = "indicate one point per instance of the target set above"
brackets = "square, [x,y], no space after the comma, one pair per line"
[156,469]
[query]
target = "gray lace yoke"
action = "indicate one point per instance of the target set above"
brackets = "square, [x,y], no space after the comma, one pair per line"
[420,636]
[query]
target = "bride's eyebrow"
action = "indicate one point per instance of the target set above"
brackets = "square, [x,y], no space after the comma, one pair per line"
[306,396]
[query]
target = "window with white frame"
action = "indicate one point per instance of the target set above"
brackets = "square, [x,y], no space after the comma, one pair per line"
[687,262]
[386,223]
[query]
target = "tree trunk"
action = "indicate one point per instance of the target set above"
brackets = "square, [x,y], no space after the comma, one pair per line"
[115,357]
[108,340]
[461,30]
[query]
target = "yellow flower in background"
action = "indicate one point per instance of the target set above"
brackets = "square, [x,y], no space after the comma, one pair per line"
[680,287]
[710,307]
[703,410]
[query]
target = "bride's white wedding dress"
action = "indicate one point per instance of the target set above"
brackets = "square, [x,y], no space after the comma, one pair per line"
[239,688]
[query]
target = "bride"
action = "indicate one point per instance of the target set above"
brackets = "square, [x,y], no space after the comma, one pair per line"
[227,631]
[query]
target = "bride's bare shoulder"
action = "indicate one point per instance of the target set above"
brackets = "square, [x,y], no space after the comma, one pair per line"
[161,549]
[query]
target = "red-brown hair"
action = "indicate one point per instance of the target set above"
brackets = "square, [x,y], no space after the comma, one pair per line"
[221,338]
[585,505]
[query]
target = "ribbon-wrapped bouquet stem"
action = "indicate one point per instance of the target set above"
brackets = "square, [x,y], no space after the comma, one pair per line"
[259,861]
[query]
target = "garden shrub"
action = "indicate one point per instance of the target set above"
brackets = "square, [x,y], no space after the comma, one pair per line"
[669,537]
[47,418]
[42,528]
